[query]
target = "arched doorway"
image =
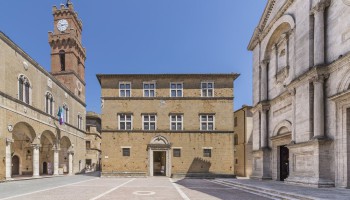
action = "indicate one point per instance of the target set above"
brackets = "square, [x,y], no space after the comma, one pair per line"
[282,136]
[15,165]
[23,136]
[159,157]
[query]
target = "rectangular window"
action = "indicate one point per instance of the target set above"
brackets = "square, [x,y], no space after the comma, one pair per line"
[236,122]
[125,122]
[126,151]
[206,152]
[66,114]
[236,161]
[177,152]
[125,89]
[88,162]
[207,122]
[80,122]
[149,122]
[88,144]
[235,139]
[176,89]
[149,89]
[207,89]
[176,122]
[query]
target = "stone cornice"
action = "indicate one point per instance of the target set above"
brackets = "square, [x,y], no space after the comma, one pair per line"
[310,142]
[166,131]
[279,137]
[263,28]
[15,47]
[262,106]
[169,98]
[68,73]
[309,76]
[233,76]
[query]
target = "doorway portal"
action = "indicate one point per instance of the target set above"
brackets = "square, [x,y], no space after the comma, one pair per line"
[159,163]
[45,168]
[284,163]
[15,165]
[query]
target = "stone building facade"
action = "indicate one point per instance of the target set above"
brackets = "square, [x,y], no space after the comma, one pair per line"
[167,124]
[301,80]
[93,142]
[32,141]
[242,141]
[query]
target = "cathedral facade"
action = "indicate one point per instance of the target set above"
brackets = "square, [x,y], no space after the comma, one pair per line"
[301,87]
[34,139]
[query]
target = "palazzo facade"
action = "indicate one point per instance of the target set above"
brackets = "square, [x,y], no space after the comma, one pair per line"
[32,141]
[242,141]
[171,125]
[301,93]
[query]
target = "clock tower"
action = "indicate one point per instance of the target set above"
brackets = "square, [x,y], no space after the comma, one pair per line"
[67,52]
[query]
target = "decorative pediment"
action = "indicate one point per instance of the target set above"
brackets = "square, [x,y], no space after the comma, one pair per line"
[273,11]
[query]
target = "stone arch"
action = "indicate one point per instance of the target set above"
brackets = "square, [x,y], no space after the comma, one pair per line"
[65,147]
[48,143]
[49,136]
[23,128]
[25,79]
[24,136]
[159,140]
[282,25]
[344,83]
[282,128]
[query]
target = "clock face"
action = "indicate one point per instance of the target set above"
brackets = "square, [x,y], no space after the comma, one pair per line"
[62,25]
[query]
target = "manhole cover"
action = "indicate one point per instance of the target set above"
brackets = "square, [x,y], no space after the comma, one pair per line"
[144,193]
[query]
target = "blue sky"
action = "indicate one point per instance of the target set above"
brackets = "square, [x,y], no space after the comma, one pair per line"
[146,36]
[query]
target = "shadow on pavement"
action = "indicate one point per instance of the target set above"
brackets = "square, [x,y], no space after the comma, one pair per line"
[94,174]
[218,191]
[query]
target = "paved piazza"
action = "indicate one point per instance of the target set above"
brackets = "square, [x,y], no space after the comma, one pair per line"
[90,187]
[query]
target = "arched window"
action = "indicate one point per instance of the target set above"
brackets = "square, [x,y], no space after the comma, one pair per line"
[235,140]
[66,113]
[49,103]
[63,60]
[24,89]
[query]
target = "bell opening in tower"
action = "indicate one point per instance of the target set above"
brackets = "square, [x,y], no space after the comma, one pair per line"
[63,60]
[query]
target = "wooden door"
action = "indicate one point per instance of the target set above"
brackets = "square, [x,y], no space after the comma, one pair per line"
[15,165]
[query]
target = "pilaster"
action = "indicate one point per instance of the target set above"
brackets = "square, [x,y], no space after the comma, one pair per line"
[319,106]
[319,31]
[263,84]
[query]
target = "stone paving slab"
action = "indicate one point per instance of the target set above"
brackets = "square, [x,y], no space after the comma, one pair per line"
[302,191]
[94,188]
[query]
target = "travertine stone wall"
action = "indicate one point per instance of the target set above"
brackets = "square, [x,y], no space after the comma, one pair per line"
[309,99]
[191,140]
[15,62]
